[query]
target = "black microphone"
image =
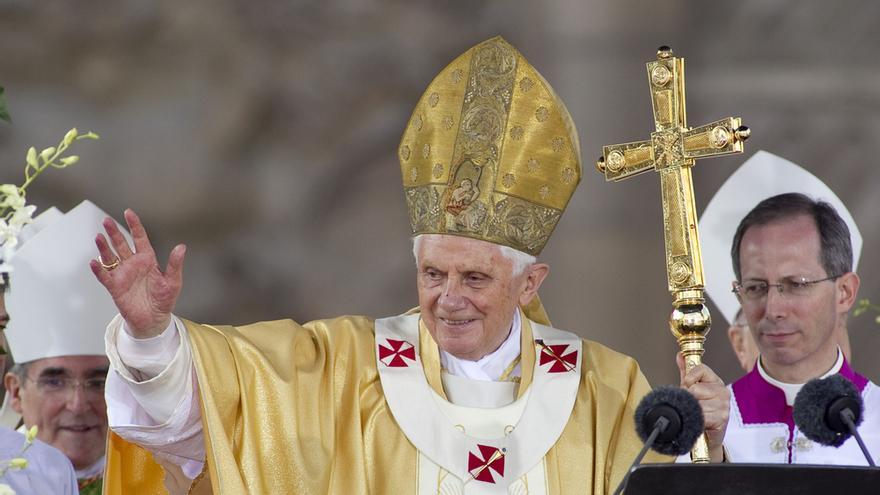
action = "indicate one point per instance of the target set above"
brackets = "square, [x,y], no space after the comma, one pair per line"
[669,420]
[828,411]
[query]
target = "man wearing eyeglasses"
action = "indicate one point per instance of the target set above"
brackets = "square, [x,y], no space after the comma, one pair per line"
[58,313]
[793,260]
[792,257]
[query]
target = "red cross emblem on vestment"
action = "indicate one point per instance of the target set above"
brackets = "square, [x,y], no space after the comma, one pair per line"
[392,355]
[490,459]
[555,354]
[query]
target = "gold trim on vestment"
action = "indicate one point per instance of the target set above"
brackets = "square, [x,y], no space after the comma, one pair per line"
[430,354]
[505,376]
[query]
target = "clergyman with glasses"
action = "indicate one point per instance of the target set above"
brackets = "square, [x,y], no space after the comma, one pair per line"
[793,261]
[792,257]
[57,317]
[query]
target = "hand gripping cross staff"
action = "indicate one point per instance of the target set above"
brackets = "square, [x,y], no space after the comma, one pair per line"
[672,151]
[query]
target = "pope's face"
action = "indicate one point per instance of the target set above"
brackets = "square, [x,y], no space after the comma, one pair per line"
[795,333]
[468,294]
[64,398]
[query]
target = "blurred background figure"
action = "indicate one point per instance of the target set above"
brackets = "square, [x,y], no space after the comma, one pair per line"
[47,470]
[742,342]
[57,317]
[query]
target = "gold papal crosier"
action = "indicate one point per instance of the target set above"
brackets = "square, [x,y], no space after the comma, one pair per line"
[490,151]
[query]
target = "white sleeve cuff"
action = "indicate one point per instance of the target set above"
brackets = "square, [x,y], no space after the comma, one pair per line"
[158,371]
[148,356]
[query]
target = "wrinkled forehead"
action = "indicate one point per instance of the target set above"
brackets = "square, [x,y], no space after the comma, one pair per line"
[69,365]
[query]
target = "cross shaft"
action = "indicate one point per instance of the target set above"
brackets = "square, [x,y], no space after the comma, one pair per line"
[672,150]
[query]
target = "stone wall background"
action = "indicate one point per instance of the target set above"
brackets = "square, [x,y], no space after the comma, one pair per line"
[263,135]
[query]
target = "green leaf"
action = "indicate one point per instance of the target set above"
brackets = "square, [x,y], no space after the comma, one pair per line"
[4,114]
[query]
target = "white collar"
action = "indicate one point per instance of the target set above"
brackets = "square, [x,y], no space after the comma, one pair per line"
[490,367]
[791,389]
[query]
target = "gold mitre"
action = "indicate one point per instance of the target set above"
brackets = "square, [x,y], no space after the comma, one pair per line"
[490,152]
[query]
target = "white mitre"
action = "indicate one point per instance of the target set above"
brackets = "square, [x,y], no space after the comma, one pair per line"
[56,306]
[762,176]
[39,223]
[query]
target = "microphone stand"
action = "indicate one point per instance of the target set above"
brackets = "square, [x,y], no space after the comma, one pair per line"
[847,417]
[659,427]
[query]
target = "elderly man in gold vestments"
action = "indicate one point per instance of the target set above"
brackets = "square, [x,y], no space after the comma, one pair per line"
[470,393]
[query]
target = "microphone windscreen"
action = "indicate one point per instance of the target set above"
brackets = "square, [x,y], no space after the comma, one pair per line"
[818,405]
[683,412]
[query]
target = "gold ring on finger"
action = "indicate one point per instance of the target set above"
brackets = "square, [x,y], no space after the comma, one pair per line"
[108,266]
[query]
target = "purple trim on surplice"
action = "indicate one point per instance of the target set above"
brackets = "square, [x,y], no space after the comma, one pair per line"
[761,402]
[858,380]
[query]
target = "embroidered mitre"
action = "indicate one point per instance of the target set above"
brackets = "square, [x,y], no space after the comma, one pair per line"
[490,152]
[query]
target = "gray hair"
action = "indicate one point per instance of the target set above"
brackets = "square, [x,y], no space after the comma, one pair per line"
[19,369]
[519,259]
[836,254]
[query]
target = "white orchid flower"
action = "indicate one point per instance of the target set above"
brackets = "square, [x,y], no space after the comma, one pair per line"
[12,197]
[8,233]
[22,217]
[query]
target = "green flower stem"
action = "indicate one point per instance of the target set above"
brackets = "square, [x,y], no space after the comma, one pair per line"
[32,170]
[61,148]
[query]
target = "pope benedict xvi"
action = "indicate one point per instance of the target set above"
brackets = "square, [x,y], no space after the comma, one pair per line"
[470,393]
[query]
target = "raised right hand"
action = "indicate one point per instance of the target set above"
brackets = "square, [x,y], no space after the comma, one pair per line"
[144,295]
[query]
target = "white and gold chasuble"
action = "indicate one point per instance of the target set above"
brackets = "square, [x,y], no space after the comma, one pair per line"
[353,406]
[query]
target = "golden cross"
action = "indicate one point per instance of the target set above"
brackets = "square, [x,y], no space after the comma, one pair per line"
[672,150]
